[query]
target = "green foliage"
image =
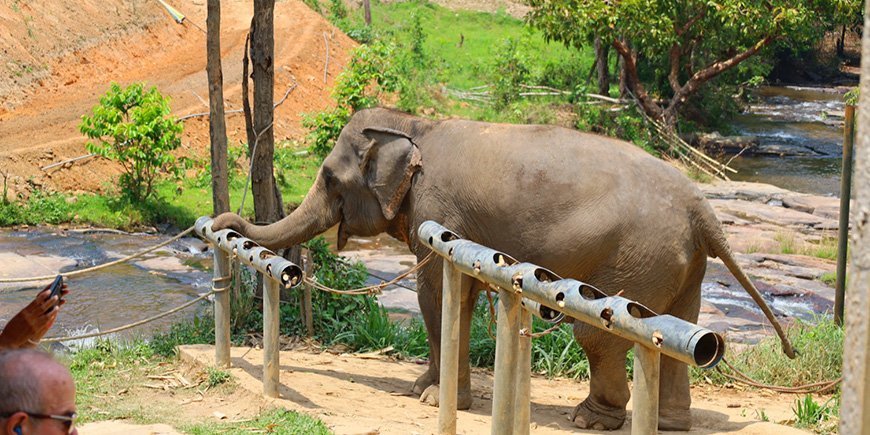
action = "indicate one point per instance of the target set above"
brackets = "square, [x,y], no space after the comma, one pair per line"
[133,127]
[314,5]
[681,45]
[558,354]
[40,208]
[337,10]
[371,71]
[851,97]
[199,330]
[276,421]
[216,377]
[821,348]
[509,72]
[811,414]
[829,278]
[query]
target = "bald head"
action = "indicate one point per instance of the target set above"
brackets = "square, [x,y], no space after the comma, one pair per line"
[32,381]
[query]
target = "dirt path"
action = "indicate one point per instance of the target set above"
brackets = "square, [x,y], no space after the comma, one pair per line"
[42,128]
[356,394]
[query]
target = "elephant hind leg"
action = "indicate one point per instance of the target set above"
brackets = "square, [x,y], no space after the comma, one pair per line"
[604,408]
[675,397]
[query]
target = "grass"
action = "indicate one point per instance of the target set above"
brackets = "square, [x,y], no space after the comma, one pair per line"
[818,417]
[466,65]
[820,348]
[826,248]
[275,421]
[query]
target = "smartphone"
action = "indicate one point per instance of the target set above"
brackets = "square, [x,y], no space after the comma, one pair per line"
[54,290]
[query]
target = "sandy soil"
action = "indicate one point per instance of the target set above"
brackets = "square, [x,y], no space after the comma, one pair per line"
[43,105]
[368,394]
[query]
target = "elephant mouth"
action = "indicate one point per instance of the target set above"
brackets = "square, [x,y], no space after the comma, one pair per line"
[342,235]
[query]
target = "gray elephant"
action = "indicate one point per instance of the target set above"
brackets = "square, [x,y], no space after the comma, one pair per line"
[587,207]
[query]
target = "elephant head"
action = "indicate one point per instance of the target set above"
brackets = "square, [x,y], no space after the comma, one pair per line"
[360,186]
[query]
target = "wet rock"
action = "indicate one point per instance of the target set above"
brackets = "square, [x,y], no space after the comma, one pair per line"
[759,192]
[716,144]
[757,212]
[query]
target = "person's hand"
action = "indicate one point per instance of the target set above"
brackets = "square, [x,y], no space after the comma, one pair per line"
[31,323]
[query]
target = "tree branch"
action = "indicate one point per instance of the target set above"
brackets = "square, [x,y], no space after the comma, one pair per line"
[633,81]
[711,71]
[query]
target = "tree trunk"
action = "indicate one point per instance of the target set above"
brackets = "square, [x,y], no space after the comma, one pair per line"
[262,148]
[841,43]
[854,418]
[216,121]
[367,8]
[602,52]
[268,205]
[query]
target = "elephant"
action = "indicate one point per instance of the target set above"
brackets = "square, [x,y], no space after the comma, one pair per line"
[587,207]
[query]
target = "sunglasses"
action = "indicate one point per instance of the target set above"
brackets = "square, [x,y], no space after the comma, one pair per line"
[68,420]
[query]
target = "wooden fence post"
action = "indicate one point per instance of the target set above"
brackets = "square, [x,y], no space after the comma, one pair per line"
[855,402]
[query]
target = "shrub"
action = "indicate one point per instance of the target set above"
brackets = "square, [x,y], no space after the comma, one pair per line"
[370,72]
[132,126]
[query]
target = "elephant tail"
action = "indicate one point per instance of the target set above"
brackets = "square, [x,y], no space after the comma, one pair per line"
[717,246]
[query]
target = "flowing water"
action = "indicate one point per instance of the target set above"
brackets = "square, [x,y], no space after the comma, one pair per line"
[791,120]
[804,125]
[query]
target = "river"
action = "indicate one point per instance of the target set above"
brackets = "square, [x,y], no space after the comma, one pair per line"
[804,124]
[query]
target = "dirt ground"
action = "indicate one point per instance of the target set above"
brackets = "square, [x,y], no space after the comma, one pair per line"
[48,85]
[369,394]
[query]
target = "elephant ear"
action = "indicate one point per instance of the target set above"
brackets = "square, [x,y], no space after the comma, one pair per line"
[388,166]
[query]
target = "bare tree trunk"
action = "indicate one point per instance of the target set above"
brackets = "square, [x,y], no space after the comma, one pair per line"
[841,42]
[268,205]
[602,52]
[262,148]
[367,8]
[854,417]
[216,121]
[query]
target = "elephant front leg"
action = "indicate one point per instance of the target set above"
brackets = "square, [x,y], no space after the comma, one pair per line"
[427,385]
[604,408]
[429,298]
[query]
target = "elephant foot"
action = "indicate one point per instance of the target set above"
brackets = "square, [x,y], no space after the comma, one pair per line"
[588,415]
[676,420]
[431,396]
[424,382]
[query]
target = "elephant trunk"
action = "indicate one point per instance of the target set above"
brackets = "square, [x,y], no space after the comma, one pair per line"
[317,213]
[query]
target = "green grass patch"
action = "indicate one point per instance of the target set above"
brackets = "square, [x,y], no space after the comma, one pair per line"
[460,44]
[820,359]
[275,421]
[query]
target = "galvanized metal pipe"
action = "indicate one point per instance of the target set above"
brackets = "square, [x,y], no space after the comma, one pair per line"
[645,391]
[674,337]
[506,346]
[221,284]
[249,252]
[522,402]
[451,299]
[279,273]
[271,353]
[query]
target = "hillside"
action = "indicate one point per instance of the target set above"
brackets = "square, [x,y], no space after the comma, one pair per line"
[60,57]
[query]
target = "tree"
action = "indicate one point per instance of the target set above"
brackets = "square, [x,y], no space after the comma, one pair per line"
[217,123]
[268,206]
[133,127]
[671,48]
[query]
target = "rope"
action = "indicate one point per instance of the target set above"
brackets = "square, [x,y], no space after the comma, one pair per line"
[131,325]
[817,387]
[101,266]
[374,289]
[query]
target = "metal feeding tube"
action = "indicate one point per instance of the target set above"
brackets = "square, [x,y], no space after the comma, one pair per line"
[249,252]
[628,319]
